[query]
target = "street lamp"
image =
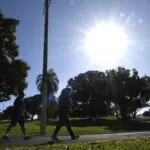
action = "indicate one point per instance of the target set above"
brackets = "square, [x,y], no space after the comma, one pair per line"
[45,58]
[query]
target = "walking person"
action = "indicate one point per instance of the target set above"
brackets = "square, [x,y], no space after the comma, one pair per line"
[17,116]
[65,104]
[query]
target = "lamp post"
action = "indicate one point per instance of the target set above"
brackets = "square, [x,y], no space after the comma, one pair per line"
[45,59]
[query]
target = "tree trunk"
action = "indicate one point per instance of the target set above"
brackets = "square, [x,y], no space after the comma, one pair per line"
[123,108]
[134,114]
[47,116]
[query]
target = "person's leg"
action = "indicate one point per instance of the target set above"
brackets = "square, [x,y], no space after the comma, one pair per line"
[58,127]
[23,131]
[8,129]
[68,125]
[21,122]
[12,124]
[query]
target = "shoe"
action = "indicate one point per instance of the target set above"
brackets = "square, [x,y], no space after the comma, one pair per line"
[27,137]
[5,138]
[75,137]
[54,138]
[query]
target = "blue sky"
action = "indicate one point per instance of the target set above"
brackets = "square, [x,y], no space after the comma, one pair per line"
[68,19]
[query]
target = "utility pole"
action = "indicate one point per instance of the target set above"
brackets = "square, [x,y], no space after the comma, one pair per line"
[45,60]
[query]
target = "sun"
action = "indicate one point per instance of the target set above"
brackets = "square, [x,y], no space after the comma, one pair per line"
[106,42]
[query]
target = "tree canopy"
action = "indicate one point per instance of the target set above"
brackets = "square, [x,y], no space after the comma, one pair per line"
[99,93]
[33,106]
[13,71]
[52,82]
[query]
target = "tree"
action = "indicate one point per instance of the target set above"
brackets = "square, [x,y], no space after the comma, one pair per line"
[52,106]
[2,116]
[13,70]
[33,105]
[119,91]
[146,113]
[8,111]
[127,90]
[52,84]
[90,93]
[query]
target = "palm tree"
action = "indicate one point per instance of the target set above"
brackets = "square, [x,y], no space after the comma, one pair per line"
[52,84]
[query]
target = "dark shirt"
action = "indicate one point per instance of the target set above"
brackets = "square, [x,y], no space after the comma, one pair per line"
[65,103]
[63,112]
[18,108]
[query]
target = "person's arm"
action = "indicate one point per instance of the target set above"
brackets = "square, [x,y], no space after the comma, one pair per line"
[70,104]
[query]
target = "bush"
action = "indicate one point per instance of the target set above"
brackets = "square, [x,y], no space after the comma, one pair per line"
[146,113]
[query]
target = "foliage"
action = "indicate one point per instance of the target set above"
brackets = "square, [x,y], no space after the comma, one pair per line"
[119,90]
[52,82]
[52,87]
[33,104]
[2,117]
[146,113]
[127,90]
[89,93]
[13,70]
[8,111]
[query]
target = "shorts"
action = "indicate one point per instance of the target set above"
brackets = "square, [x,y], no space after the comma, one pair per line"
[17,119]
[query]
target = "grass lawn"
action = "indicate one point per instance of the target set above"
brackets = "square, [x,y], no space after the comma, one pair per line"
[83,126]
[134,144]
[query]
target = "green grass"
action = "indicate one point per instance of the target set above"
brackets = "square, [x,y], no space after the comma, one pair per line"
[33,128]
[83,126]
[134,144]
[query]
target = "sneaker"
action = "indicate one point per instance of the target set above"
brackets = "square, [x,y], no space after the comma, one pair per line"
[5,138]
[54,138]
[75,137]
[27,137]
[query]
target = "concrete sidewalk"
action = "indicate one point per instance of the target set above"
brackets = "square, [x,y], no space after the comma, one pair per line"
[40,140]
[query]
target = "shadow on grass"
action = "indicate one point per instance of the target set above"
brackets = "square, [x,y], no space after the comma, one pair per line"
[125,125]
[114,125]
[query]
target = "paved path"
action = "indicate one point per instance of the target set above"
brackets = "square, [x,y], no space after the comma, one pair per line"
[38,140]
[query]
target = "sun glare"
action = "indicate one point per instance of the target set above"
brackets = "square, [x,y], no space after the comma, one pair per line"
[106,42]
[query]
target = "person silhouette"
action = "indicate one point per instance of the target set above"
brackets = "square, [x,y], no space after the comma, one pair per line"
[17,116]
[65,104]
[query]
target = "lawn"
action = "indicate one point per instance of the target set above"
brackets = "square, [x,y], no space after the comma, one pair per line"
[86,126]
[83,126]
[134,144]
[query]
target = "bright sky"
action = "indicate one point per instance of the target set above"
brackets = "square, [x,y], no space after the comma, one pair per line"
[69,20]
